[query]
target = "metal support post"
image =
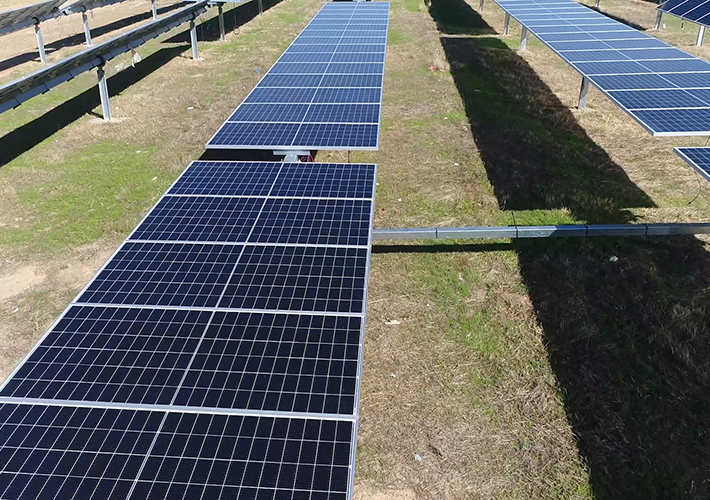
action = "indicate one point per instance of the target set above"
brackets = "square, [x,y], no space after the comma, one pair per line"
[506,25]
[193,39]
[220,9]
[87,30]
[523,38]
[40,44]
[261,7]
[659,15]
[701,35]
[154,8]
[480,6]
[596,4]
[583,92]
[291,156]
[103,93]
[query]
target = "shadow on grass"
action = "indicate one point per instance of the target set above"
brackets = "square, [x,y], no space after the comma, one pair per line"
[628,339]
[208,30]
[79,39]
[29,135]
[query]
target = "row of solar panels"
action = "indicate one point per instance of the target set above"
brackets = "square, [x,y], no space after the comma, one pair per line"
[662,87]
[225,336]
[24,17]
[14,93]
[218,353]
[324,92]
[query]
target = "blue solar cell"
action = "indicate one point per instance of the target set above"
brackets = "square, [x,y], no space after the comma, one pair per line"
[351,81]
[355,68]
[111,354]
[280,95]
[290,80]
[698,158]
[630,82]
[556,29]
[350,180]
[366,40]
[579,45]
[676,121]
[305,57]
[703,95]
[677,65]
[660,53]
[269,113]
[689,80]
[254,134]
[275,362]
[299,68]
[343,113]
[611,68]
[635,43]
[164,274]
[337,136]
[358,58]
[198,218]
[559,37]
[653,99]
[67,452]
[295,278]
[620,35]
[328,48]
[327,42]
[610,28]
[228,178]
[592,55]
[377,48]
[314,222]
[348,95]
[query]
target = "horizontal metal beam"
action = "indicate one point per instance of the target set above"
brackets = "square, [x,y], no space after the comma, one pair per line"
[520,232]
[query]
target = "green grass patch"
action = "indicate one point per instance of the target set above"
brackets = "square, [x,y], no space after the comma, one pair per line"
[98,193]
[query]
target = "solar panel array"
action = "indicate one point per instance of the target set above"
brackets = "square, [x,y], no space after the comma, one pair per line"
[14,93]
[324,92]
[217,354]
[698,158]
[697,11]
[23,17]
[665,89]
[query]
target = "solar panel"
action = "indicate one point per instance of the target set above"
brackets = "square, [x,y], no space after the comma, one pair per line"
[64,452]
[22,17]
[307,99]
[217,354]
[697,11]
[652,81]
[698,158]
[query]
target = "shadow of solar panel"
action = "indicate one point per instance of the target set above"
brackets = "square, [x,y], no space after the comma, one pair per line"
[320,279]
[164,274]
[110,354]
[277,362]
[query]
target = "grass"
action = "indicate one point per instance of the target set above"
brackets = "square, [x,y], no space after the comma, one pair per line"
[553,369]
